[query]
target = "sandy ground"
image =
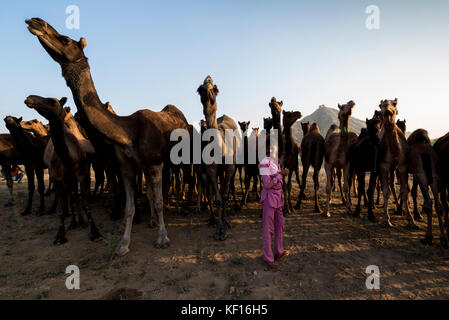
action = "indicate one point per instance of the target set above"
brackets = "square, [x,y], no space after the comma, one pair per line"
[328,258]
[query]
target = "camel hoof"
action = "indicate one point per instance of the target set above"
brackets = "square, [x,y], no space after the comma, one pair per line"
[417,216]
[162,244]
[318,210]
[412,226]
[121,251]
[82,224]
[26,212]
[371,217]
[73,225]
[388,224]
[40,212]
[326,215]
[227,224]
[427,241]
[94,234]
[60,241]
[444,242]
[152,224]
[220,235]
[9,204]
[298,206]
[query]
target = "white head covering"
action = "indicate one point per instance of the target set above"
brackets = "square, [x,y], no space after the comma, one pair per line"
[268,167]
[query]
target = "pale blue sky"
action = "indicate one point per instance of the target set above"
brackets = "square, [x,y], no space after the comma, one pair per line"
[147,54]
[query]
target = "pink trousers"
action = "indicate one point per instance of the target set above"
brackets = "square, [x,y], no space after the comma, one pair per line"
[272,225]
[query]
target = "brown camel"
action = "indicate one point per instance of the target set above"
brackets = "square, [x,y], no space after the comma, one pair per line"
[423,165]
[291,152]
[441,148]
[244,126]
[141,139]
[208,92]
[312,154]
[336,146]
[392,154]
[32,146]
[251,169]
[68,164]
[9,155]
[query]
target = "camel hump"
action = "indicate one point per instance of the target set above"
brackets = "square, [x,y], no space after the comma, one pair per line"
[171,109]
[315,128]
[227,122]
[419,136]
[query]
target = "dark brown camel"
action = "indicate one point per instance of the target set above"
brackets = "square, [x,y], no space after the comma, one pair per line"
[9,155]
[291,151]
[336,147]
[208,92]
[362,158]
[392,154]
[312,154]
[337,174]
[32,146]
[251,169]
[441,148]
[68,165]
[423,165]
[141,139]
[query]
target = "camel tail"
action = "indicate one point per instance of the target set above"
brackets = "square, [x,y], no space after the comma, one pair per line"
[427,166]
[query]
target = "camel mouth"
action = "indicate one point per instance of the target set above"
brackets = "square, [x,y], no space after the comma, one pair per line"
[37,26]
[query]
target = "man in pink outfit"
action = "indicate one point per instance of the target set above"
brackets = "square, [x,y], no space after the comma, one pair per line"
[272,202]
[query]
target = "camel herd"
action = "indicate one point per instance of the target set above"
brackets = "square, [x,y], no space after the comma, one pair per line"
[128,148]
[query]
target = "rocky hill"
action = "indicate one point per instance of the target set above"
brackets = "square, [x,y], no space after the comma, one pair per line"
[325,117]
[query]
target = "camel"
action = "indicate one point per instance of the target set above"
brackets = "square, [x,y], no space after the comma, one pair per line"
[252,170]
[244,126]
[68,164]
[362,159]
[423,165]
[32,146]
[441,148]
[9,155]
[312,154]
[141,139]
[291,152]
[208,92]
[392,154]
[336,146]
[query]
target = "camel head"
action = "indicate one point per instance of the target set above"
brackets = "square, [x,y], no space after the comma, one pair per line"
[244,126]
[61,48]
[373,126]
[12,123]
[267,124]
[402,124]
[208,92]
[36,127]
[276,108]
[290,117]
[389,110]
[203,126]
[49,108]
[305,127]
[256,131]
[378,115]
[345,112]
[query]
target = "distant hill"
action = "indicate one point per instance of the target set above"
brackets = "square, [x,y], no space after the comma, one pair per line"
[325,117]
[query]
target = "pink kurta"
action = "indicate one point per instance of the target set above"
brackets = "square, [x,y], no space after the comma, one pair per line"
[272,202]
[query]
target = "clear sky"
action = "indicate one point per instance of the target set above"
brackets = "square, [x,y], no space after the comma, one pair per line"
[147,54]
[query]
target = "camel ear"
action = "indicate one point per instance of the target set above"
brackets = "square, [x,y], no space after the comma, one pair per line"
[283,112]
[367,120]
[249,123]
[67,110]
[20,119]
[281,103]
[62,101]
[339,106]
[82,43]
[395,102]
[240,123]
[405,121]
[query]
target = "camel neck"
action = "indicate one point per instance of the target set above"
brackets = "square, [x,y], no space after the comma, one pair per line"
[59,142]
[19,137]
[211,117]
[344,131]
[288,139]
[79,80]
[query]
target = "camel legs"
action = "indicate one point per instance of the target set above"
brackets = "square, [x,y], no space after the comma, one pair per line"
[347,178]
[220,233]
[403,173]
[41,189]
[129,181]
[329,179]
[84,180]
[386,192]
[302,195]
[361,191]
[61,190]
[29,170]
[316,184]
[289,191]
[414,193]
[247,185]
[373,183]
